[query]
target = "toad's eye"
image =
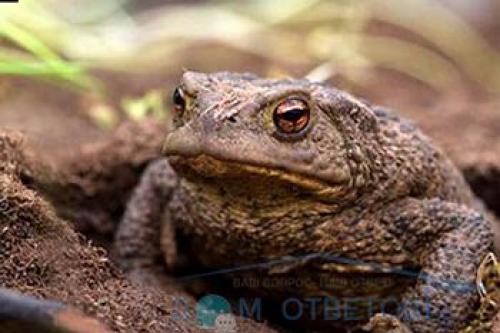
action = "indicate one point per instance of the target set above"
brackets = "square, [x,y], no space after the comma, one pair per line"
[291,115]
[178,99]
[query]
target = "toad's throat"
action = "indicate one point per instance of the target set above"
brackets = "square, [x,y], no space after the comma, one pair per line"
[207,166]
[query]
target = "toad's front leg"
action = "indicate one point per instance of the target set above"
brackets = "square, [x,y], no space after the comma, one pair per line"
[137,240]
[449,241]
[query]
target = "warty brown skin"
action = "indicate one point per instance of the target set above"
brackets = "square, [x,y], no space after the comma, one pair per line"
[357,183]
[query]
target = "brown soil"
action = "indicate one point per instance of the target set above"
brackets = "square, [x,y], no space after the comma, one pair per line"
[41,255]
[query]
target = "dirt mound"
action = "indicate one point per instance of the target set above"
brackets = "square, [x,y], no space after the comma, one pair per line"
[42,256]
[96,179]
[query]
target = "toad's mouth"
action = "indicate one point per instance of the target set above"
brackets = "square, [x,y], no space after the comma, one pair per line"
[208,166]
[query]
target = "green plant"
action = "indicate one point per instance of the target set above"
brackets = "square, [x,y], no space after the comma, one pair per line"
[22,53]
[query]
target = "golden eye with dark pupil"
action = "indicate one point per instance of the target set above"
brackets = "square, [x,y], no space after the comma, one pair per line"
[291,115]
[178,99]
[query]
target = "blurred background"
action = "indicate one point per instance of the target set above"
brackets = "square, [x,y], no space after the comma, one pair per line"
[71,71]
